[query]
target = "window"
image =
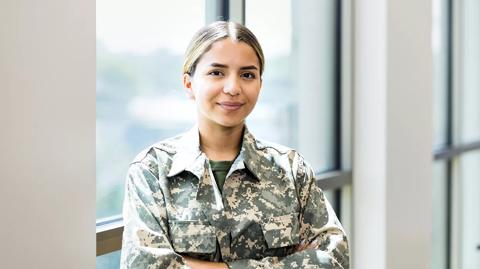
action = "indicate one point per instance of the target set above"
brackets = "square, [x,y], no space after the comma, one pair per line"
[441,179]
[440,252]
[139,57]
[465,216]
[302,87]
[300,76]
[440,39]
[456,46]
[140,99]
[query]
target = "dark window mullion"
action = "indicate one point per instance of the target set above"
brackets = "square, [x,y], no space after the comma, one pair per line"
[217,10]
[338,87]
[338,103]
[450,151]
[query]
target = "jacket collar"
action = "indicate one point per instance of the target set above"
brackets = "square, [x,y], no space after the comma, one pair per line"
[190,158]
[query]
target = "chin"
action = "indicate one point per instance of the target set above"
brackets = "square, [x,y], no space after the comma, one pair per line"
[230,124]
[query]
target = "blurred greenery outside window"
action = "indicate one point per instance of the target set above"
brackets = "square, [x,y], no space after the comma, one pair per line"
[140,97]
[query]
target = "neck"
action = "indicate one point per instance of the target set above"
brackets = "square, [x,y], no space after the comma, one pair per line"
[220,143]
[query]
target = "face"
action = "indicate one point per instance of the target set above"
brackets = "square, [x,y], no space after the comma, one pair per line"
[226,84]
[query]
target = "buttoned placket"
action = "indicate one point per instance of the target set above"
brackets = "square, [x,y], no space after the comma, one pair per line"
[209,197]
[210,201]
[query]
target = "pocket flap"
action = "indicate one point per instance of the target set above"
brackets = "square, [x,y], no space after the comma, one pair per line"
[281,231]
[192,236]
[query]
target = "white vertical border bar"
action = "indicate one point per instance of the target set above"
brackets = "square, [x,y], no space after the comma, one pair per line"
[393,132]
[409,126]
[369,134]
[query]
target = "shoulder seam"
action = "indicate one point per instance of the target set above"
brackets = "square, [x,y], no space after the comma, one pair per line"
[262,144]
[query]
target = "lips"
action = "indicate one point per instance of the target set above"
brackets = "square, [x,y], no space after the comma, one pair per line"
[230,106]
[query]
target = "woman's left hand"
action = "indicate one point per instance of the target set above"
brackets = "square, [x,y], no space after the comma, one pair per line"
[305,245]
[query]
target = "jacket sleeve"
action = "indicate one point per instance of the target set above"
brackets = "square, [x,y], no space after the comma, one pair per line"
[318,222]
[145,236]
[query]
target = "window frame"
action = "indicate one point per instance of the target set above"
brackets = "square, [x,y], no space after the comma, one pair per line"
[453,150]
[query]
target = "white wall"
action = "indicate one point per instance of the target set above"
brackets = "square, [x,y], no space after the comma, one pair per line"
[47,137]
[369,142]
[392,134]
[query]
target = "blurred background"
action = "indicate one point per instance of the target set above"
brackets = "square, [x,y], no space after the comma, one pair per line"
[382,97]
[140,95]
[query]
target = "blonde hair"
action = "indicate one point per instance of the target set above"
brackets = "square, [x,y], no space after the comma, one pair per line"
[202,42]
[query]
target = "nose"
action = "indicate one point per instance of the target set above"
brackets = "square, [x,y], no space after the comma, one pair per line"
[232,86]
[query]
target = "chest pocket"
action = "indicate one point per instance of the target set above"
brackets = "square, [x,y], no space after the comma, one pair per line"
[281,231]
[192,236]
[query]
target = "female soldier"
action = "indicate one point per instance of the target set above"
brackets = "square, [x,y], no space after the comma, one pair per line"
[216,196]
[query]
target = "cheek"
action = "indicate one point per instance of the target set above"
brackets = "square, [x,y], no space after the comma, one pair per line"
[204,95]
[254,94]
[210,91]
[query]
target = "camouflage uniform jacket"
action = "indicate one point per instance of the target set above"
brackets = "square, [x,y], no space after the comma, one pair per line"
[269,204]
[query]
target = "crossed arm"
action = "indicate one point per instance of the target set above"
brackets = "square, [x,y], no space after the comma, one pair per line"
[146,243]
[200,264]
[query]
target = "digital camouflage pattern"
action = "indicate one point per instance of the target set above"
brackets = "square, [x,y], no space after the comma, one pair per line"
[270,203]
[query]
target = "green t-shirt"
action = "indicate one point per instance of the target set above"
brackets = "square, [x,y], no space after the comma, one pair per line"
[220,170]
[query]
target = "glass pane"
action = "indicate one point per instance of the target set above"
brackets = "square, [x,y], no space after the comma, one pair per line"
[440,71]
[297,104]
[109,261]
[470,213]
[440,216]
[470,72]
[330,196]
[140,96]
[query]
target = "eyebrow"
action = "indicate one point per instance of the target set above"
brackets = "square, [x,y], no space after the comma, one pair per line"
[249,67]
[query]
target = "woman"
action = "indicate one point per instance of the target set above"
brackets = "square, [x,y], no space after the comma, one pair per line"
[217,197]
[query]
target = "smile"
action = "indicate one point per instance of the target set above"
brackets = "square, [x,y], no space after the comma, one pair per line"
[230,106]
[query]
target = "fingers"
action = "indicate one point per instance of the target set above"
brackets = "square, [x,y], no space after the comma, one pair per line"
[304,245]
[314,244]
[301,246]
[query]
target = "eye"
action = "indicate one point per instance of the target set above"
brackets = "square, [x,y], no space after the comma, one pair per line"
[215,73]
[249,75]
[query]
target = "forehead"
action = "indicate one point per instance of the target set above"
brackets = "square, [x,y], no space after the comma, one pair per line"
[231,53]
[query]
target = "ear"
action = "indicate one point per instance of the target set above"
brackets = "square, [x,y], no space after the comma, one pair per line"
[187,84]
